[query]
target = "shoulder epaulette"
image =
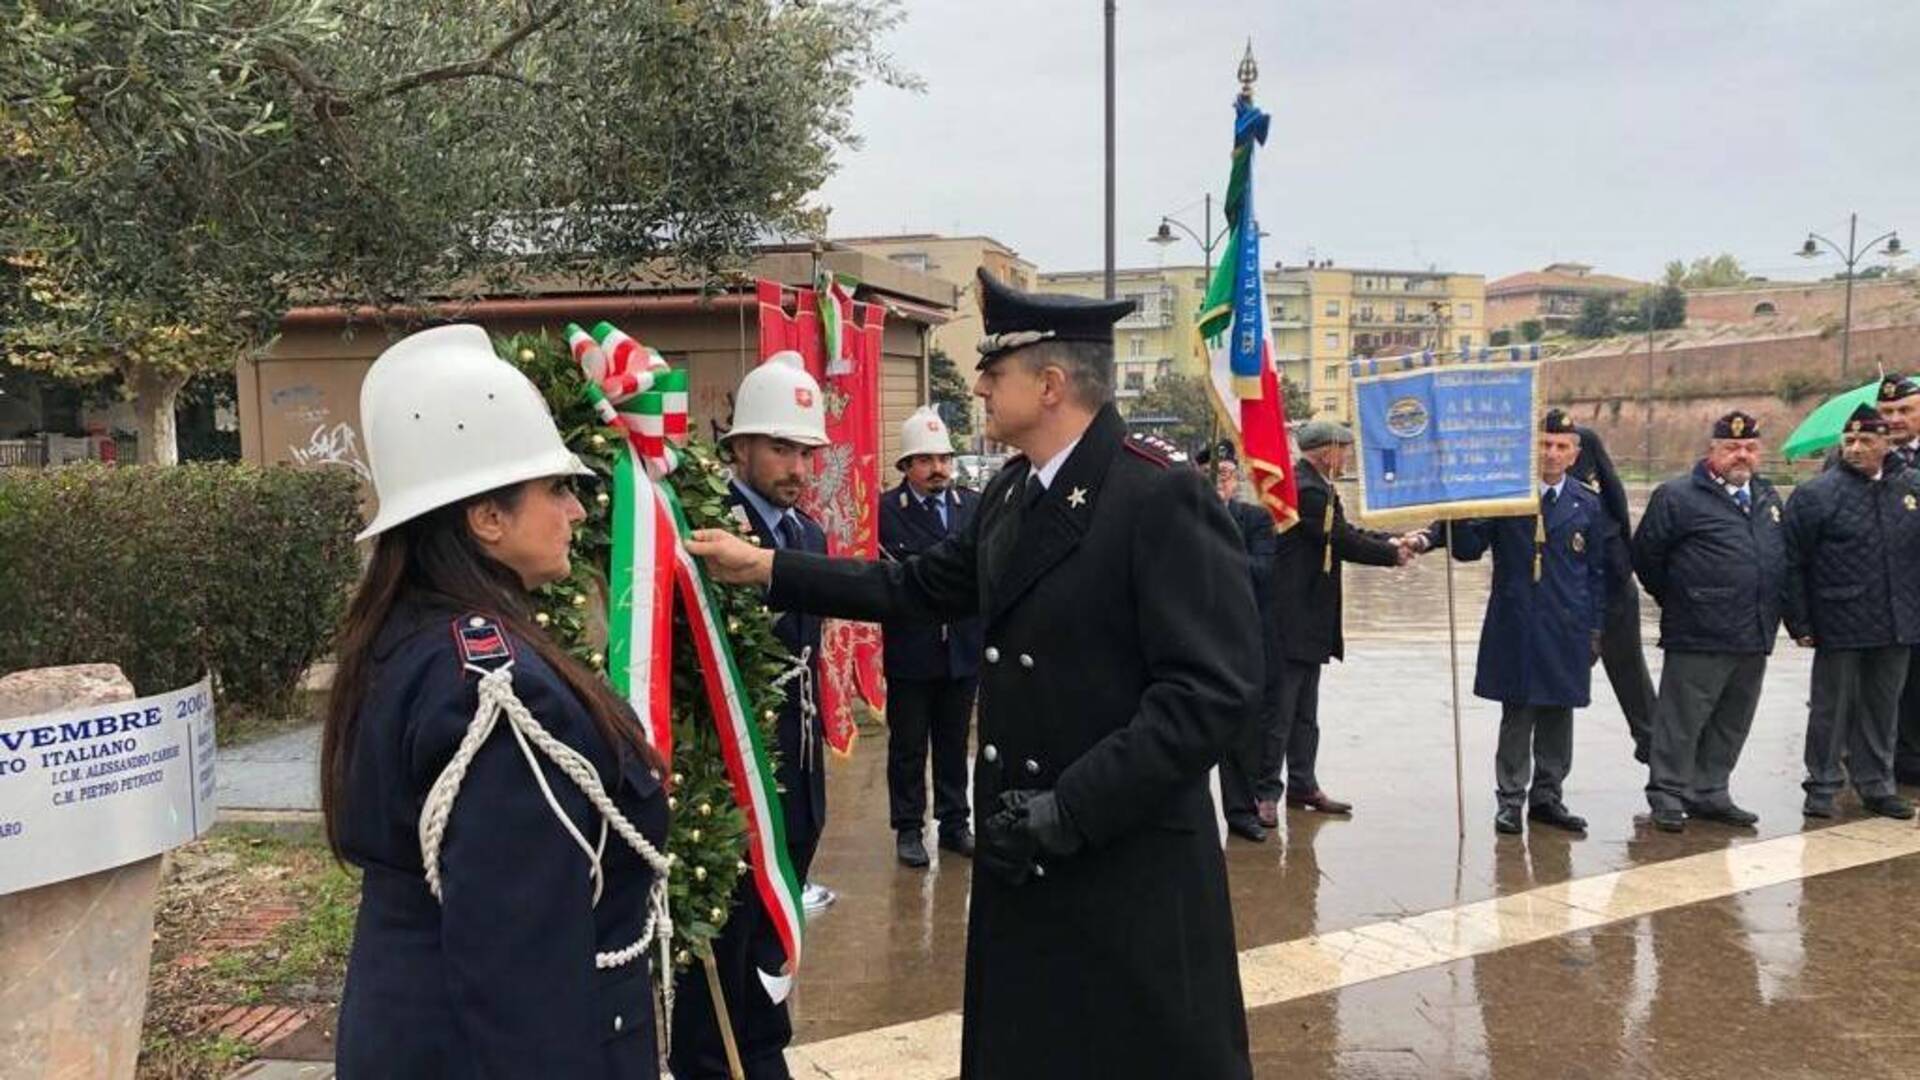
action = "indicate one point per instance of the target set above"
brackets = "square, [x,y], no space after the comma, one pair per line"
[482,642]
[1155,449]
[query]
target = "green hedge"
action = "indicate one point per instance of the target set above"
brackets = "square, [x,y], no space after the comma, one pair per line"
[170,572]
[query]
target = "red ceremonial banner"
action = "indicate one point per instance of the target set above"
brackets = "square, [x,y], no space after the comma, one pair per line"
[845,494]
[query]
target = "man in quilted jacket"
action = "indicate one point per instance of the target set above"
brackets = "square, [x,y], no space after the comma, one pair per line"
[1851,534]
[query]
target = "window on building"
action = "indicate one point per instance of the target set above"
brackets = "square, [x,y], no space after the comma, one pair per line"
[1136,346]
[1333,308]
[1136,379]
[916,260]
[1332,341]
[1463,312]
[1764,307]
[1329,403]
[1331,373]
[1466,341]
[1400,311]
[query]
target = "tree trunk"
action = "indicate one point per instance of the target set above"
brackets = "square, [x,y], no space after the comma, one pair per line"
[155,395]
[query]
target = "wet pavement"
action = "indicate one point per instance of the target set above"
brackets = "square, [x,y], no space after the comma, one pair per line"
[1815,976]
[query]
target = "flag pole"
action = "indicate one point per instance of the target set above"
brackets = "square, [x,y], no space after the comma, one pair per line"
[1453,671]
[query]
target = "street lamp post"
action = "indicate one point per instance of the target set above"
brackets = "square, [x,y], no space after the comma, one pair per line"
[1206,237]
[1850,254]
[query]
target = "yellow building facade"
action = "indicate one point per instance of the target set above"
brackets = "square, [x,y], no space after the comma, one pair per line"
[954,259]
[1158,338]
[1359,313]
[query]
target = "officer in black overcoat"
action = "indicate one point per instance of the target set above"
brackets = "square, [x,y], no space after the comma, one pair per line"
[778,420]
[1899,402]
[1121,660]
[932,670]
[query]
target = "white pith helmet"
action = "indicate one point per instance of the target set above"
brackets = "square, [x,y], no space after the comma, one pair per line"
[923,433]
[780,400]
[444,419]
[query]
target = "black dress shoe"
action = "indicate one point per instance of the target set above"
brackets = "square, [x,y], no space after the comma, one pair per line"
[1727,815]
[1558,816]
[1640,752]
[911,851]
[1507,821]
[958,841]
[1888,806]
[1820,806]
[1669,821]
[1247,829]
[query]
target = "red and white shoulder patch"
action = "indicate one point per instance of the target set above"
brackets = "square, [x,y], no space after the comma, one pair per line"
[1155,449]
[482,642]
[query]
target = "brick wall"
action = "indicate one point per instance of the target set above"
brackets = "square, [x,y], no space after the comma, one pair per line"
[1778,380]
[1825,299]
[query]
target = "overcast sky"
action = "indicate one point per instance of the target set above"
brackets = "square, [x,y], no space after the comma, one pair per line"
[1490,136]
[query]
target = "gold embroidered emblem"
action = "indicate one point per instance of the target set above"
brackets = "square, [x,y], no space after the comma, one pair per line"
[1912,503]
[1739,426]
[1775,511]
[1579,543]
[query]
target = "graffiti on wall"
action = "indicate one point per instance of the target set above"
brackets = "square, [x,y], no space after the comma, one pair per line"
[333,444]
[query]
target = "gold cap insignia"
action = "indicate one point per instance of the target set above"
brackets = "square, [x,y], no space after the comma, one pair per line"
[1739,426]
[1853,425]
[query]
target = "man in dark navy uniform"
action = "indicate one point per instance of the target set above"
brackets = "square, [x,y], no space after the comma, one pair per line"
[1621,653]
[1899,404]
[778,421]
[932,670]
[1241,777]
[1122,660]
[1541,636]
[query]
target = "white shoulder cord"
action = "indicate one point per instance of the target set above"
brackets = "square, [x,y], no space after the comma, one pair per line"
[802,670]
[497,698]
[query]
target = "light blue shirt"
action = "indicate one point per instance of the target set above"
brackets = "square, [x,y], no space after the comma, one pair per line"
[1555,488]
[770,515]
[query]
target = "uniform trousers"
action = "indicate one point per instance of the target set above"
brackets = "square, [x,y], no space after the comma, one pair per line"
[1706,707]
[1293,739]
[1626,663]
[1906,751]
[923,713]
[1536,741]
[1853,718]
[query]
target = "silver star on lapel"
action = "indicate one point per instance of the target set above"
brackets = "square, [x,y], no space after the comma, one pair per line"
[1077,498]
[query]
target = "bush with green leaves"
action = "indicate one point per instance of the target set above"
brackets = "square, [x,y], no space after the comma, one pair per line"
[171,573]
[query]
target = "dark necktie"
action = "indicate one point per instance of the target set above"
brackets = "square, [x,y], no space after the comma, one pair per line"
[1744,499]
[937,506]
[790,534]
[1547,499]
[1035,492]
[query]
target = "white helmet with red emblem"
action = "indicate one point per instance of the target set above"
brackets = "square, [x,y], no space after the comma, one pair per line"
[780,400]
[923,433]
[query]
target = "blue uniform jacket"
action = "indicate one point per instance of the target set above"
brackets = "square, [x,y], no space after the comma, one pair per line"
[1536,641]
[499,980]
[798,631]
[919,650]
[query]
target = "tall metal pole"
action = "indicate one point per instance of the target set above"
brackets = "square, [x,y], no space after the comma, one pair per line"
[1206,246]
[1846,322]
[1109,31]
[1453,670]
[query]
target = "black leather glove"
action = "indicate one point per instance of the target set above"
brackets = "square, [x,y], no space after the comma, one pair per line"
[1027,824]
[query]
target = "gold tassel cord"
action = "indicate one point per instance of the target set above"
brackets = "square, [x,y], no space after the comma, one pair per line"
[1326,530]
[1539,543]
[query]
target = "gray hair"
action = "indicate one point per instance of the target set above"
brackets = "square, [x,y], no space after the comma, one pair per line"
[1088,364]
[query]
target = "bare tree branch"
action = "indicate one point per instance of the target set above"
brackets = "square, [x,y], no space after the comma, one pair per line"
[488,65]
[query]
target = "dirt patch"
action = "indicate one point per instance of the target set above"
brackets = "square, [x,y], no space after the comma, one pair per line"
[251,934]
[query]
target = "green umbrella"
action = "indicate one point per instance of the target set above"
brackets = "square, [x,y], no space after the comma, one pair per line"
[1821,428]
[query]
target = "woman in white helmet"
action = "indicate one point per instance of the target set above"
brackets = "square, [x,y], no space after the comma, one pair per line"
[500,799]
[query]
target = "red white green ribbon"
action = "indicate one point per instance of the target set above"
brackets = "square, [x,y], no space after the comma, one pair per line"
[649,561]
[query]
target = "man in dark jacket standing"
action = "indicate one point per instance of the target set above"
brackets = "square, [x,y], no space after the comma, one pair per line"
[1711,551]
[1307,615]
[1852,535]
[1620,650]
[932,670]
[1899,402]
[1541,636]
[1122,658]
[1241,777]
